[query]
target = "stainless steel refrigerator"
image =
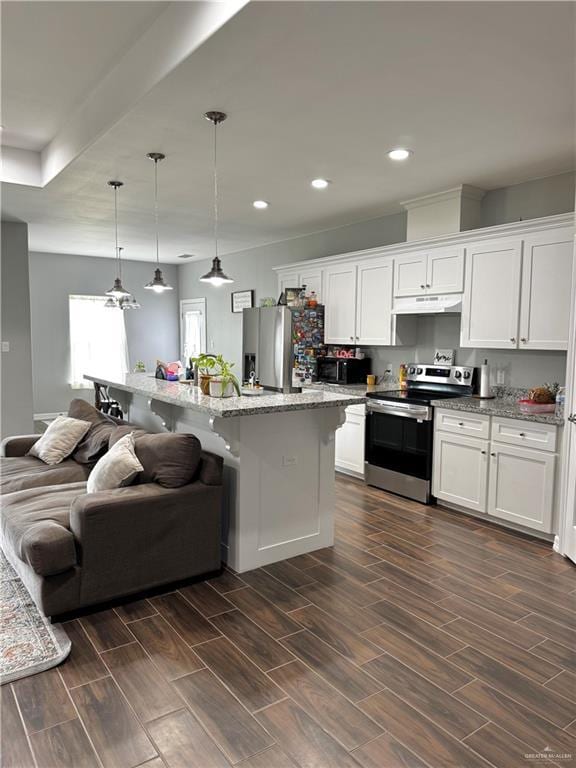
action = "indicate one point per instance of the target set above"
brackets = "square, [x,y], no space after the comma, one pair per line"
[267,347]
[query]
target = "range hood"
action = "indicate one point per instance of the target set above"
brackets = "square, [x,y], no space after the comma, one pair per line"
[429,305]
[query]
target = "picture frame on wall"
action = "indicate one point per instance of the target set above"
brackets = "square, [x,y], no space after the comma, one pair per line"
[241,300]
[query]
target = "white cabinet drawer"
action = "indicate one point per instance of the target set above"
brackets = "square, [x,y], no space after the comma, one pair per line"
[527,434]
[463,423]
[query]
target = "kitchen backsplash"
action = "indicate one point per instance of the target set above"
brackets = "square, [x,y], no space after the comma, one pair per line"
[520,368]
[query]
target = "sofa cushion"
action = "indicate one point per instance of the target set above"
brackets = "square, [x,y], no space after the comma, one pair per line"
[117,468]
[36,526]
[59,440]
[95,442]
[170,459]
[20,472]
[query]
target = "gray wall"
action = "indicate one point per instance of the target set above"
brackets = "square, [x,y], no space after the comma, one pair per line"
[523,368]
[540,197]
[253,269]
[152,331]
[16,375]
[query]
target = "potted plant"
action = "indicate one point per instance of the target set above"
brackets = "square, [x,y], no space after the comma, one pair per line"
[223,383]
[204,364]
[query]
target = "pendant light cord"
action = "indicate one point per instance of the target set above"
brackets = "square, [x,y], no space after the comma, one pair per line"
[156,211]
[216,189]
[119,263]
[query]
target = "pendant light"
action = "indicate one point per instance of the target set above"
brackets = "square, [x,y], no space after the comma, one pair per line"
[158,284]
[117,289]
[216,276]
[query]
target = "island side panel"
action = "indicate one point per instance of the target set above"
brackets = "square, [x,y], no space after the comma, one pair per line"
[278,475]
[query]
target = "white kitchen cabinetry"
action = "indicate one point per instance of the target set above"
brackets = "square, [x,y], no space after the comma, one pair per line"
[460,470]
[358,298]
[340,301]
[511,476]
[311,277]
[546,290]
[436,272]
[492,295]
[521,487]
[349,447]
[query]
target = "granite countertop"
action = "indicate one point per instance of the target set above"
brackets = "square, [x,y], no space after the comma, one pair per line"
[188,396]
[500,406]
[352,389]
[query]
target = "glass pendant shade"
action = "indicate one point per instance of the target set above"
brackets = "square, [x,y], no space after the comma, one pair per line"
[158,285]
[216,276]
[110,304]
[117,290]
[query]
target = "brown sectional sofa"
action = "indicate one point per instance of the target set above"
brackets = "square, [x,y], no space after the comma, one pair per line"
[74,549]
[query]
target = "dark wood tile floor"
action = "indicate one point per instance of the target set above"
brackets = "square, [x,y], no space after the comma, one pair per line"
[423,638]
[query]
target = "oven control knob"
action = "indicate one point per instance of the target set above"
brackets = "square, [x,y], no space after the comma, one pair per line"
[412,370]
[458,374]
[466,374]
[419,371]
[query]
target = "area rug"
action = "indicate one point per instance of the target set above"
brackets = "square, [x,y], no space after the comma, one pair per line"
[28,642]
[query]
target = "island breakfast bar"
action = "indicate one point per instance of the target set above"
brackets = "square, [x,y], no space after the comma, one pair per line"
[278,453]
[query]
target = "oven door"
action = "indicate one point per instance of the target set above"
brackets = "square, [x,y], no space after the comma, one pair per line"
[400,440]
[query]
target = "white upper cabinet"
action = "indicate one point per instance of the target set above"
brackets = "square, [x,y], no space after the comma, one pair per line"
[340,301]
[546,283]
[411,274]
[445,273]
[312,279]
[438,271]
[374,303]
[492,295]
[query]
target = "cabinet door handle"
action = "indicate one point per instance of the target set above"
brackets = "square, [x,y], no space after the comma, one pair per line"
[351,338]
[483,453]
[522,434]
[422,286]
[513,340]
[428,285]
[572,418]
[523,340]
[460,423]
[492,454]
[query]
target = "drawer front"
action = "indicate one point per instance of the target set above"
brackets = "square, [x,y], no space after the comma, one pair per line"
[527,434]
[463,423]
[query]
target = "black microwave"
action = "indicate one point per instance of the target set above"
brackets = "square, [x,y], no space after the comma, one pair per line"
[343,370]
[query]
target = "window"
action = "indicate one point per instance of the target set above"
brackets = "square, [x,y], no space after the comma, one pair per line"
[97,340]
[193,327]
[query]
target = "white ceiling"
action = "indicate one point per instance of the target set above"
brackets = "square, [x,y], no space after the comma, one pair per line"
[482,92]
[54,53]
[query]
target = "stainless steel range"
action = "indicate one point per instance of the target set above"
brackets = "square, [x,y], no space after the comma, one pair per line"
[400,429]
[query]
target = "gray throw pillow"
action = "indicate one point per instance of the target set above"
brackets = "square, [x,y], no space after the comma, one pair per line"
[95,443]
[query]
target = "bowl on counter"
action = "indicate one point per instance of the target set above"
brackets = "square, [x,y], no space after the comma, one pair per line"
[531,406]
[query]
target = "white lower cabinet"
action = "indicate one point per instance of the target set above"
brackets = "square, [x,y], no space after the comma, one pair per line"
[521,488]
[349,446]
[507,481]
[460,470]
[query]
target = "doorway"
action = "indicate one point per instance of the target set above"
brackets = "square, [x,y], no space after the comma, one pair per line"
[192,328]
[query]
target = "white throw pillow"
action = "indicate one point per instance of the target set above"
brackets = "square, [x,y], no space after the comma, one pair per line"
[59,440]
[116,468]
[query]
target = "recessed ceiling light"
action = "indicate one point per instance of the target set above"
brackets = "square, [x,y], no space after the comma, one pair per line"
[399,153]
[185,255]
[320,183]
[260,204]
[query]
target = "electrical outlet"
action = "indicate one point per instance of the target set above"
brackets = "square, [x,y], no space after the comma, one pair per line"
[5,346]
[289,461]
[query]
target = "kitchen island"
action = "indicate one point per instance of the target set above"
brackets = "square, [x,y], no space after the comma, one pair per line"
[278,453]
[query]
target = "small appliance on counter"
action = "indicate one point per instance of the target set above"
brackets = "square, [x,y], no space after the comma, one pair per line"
[399,428]
[344,370]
